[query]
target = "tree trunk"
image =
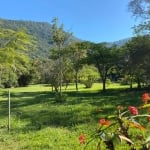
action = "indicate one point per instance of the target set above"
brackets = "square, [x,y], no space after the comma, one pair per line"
[104,84]
[104,76]
[138,83]
[60,73]
[131,82]
[76,81]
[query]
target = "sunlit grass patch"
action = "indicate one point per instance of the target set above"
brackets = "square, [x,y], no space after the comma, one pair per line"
[39,122]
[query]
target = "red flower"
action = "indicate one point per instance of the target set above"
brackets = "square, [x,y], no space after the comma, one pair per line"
[145,98]
[148,118]
[133,110]
[82,139]
[104,122]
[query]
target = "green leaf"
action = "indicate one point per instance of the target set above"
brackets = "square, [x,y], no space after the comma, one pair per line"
[111,116]
[116,139]
[145,106]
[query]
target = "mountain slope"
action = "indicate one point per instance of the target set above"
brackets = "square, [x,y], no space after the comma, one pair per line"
[122,41]
[118,43]
[40,30]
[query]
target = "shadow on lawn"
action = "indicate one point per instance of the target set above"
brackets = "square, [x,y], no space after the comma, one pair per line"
[82,107]
[23,99]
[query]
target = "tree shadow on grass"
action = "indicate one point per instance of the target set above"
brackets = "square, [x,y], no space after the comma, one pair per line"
[23,99]
[40,109]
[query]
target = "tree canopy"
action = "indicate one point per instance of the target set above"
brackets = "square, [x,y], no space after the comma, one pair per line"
[14,56]
[141,9]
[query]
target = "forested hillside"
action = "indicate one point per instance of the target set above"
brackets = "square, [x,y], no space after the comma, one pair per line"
[42,33]
[59,61]
[40,30]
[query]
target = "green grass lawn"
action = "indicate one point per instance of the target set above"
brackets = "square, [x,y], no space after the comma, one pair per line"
[39,123]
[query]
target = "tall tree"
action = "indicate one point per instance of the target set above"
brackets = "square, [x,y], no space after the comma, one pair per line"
[78,53]
[141,9]
[104,59]
[137,58]
[59,37]
[14,46]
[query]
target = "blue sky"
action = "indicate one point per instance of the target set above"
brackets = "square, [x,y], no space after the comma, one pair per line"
[92,20]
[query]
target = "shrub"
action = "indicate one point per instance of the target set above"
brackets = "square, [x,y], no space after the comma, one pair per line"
[126,80]
[60,97]
[88,75]
[9,79]
[108,82]
[88,83]
[10,83]
[24,80]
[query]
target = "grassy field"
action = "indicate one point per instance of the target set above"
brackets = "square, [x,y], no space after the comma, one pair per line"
[39,123]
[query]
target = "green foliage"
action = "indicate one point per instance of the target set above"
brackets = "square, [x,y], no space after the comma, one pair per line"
[137,59]
[14,59]
[60,97]
[77,52]
[120,128]
[108,82]
[59,37]
[24,80]
[125,80]
[88,75]
[88,83]
[104,58]
[9,79]
[141,8]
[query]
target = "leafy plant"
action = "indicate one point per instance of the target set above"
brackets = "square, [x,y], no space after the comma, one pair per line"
[88,75]
[60,97]
[125,127]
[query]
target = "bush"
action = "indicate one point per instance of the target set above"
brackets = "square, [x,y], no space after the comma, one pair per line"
[9,79]
[108,82]
[24,80]
[10,83]
[88,75]
[88,83]
[60,97]
[126,80]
